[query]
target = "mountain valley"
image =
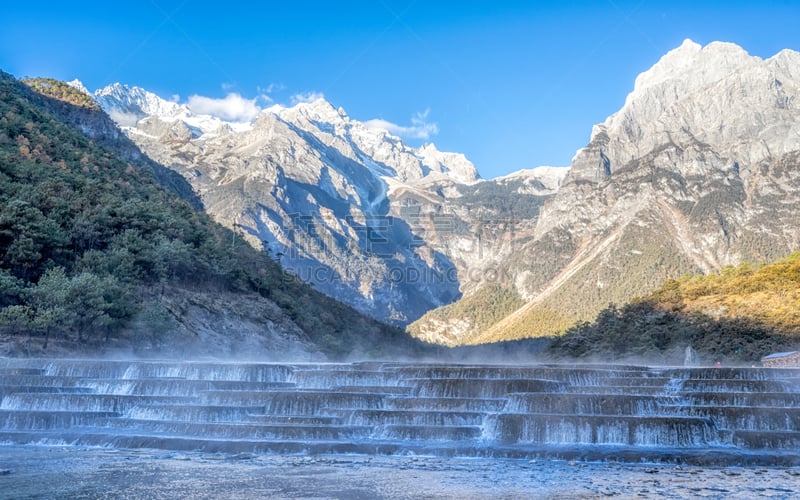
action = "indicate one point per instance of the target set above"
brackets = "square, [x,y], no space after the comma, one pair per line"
[699,170]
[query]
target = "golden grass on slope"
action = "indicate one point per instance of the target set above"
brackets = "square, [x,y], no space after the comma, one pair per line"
[737,315]
[768,295]
[536,322]
[634,262]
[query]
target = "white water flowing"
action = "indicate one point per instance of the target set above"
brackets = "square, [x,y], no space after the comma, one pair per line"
[621,412]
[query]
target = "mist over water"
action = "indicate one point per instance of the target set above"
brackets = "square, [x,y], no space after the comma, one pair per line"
[508,414]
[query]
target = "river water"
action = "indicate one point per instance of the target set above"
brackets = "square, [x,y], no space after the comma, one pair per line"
[70,472]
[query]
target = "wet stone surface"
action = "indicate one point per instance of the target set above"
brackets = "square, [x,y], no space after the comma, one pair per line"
[72,472]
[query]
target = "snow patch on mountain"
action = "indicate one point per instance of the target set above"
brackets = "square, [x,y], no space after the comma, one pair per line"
[539,180]
[454,165]
[128,105]
[77,84]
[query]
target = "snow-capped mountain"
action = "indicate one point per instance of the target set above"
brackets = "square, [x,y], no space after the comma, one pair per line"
[128,105]
[381,152]
[348,207]
[698,170]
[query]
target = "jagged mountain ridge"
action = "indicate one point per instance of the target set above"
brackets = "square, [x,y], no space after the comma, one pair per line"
[367,219]
[698,170]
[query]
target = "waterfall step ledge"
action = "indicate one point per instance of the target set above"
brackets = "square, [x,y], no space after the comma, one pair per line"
[718,456]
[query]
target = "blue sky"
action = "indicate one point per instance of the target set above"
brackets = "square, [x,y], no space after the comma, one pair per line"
[510,84]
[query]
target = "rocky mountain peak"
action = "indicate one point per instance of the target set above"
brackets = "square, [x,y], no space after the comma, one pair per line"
[322,109]
[786,62]
[674,61]
[690,67]
[454,165]
[317,111]
[714,96]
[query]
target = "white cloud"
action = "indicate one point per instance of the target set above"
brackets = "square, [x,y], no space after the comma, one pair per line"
[272,87]
[307,97]
[226,86]
[123,119]
[419,128]
[233,107]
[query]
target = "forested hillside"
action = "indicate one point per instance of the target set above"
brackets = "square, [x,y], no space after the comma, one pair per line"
[91,242]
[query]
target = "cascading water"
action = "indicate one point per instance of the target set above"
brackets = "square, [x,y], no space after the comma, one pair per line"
[733,415]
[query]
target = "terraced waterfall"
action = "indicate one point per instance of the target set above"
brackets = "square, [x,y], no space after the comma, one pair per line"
[624,413]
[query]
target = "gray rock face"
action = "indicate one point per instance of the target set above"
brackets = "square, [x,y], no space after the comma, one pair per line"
[699,169]
[740,105]
[708,131]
